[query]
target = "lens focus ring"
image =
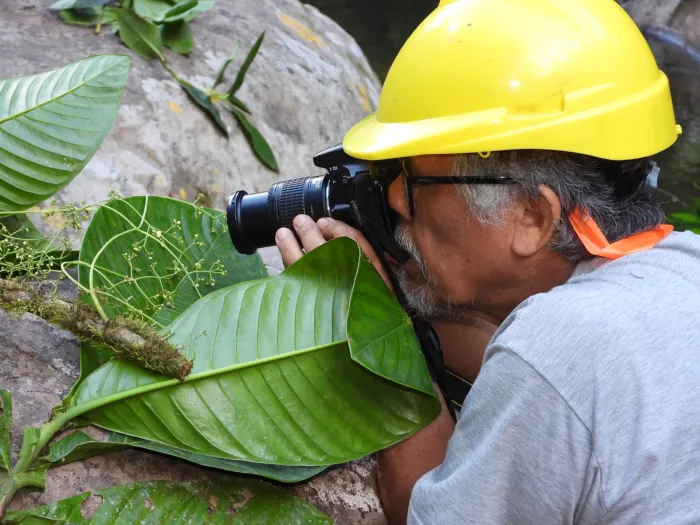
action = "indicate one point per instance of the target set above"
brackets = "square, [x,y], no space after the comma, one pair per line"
[286,201]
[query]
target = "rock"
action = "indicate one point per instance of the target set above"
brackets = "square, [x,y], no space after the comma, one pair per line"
[308,85]
[672,28]
[39,366]
[651,12]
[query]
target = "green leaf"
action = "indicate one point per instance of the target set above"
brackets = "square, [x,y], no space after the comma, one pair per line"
[240,77]
[42,254]
[5,428]
[684,218]
[21,227]
[140,35]
[222,69]
[92,357]
[86,17]
[76,4]
[52,123]
[235,502]
[151,9]
[238,103]
[65,511]
[154,251]
[177,36]
[260,146]
[203,5]
[179,11]
[79,445]
[203,100]
[290,370]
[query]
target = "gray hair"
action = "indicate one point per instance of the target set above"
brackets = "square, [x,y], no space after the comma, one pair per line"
[614,194]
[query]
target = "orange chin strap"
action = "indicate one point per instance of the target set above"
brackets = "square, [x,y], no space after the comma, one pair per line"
[596,243]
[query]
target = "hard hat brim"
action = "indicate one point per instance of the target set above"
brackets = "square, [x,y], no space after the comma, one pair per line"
[615,131]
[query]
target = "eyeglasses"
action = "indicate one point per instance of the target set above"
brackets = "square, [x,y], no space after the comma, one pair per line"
[409,181]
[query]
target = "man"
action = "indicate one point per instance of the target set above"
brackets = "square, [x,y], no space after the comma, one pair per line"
[586,409]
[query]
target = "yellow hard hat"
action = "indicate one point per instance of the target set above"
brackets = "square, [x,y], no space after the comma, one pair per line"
[491,75]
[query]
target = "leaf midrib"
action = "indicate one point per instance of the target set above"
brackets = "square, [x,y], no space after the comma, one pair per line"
[53,99]
[78,410]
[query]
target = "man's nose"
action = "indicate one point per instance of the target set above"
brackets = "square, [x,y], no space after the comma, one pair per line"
[397,198]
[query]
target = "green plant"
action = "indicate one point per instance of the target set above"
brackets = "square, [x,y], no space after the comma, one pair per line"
[146,26]
[289,374]
[227,502]
[687,220]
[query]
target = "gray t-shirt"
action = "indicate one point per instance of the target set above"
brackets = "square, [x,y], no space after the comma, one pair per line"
[587,408]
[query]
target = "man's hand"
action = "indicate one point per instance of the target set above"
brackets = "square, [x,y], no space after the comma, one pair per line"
[314,234]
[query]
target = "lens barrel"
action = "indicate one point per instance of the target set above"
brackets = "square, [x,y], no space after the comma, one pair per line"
[253,219]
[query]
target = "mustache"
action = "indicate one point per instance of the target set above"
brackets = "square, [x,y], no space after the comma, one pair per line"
[403,239]
[421,298]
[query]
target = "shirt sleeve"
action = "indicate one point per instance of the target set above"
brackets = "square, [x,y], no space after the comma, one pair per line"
[519,455]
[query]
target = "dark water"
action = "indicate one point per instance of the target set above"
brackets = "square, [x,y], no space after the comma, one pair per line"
[382,26]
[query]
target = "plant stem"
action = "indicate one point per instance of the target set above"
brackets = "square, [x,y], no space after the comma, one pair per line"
[17,481]
[172,73]
[100,17]
[8,488]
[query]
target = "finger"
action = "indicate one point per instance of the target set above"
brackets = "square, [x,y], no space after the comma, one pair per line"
[332,229]
[309,232]
[288,246]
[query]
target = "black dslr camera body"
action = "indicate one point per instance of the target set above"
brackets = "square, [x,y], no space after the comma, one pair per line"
[352,191]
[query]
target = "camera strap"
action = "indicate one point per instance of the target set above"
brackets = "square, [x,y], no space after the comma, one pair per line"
[428,339]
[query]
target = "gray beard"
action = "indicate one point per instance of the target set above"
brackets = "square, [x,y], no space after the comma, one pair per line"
[421,298]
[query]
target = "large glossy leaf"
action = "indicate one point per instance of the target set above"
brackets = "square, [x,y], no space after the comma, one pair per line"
[5,428]
[157,256]
[316,366]
[52,123]
[235,502]
[79,445]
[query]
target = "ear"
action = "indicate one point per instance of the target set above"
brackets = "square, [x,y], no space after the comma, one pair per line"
[535,222]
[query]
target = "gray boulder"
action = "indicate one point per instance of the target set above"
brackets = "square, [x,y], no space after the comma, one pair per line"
[308,85]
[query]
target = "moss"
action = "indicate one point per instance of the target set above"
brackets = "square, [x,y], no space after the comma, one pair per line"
[130,339]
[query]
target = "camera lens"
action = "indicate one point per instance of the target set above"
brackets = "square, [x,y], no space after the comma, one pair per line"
[254,219]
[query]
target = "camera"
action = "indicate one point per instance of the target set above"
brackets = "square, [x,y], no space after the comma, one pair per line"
[352,191]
